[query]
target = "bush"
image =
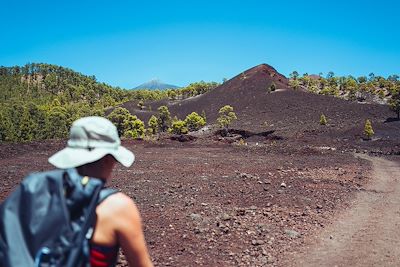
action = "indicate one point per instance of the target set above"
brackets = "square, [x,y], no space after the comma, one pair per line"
[381,94]
[153,124]
[133,134]
[127,124]
[322,120]
[294,84]
[118,117]
[194,121]
[204,116]
[226,117]
[164,118]
[368,131]
[133,127]
[394,103]
[178,127]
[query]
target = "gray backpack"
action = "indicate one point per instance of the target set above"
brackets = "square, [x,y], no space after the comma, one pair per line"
[48,220]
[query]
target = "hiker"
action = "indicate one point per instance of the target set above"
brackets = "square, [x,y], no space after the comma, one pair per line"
[93,149]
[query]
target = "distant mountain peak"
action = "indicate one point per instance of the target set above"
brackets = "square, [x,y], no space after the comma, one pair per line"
[156,84]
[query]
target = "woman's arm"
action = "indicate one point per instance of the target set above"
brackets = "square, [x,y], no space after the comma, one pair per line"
[129,231]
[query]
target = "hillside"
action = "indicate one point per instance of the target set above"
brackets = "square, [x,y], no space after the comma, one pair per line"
[41,83]
[53,96]
[241,88]
[286,112]
[40,101]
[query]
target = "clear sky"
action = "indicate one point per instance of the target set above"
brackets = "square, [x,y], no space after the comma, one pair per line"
[126,43]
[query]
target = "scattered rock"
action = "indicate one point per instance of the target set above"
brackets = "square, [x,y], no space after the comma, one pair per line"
[244,175]
[292,233]
[196,217]
[270,260]
[225,217]
[257,242]
[241,212]
[183,137]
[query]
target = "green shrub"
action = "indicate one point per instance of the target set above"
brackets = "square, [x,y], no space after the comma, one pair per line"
[194,121]
[394,103]
[203,115]
[164,118]
[153,124]
[381,94]
[133,134]
[322,120]
[127,124]
[118,117]
[178,127]
[226,116]
[133,127]
[368,131]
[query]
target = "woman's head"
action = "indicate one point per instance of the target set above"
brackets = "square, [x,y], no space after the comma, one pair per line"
[92,139]
[101,168]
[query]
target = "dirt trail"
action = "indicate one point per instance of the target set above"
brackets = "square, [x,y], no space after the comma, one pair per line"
[368,233]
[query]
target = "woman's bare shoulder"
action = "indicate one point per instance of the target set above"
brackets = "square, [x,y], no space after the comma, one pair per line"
[119,198]
[120,204]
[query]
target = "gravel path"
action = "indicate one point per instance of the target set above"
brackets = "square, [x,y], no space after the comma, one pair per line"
[368,233]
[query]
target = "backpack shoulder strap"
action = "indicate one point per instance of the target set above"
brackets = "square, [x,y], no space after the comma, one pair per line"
[105,193]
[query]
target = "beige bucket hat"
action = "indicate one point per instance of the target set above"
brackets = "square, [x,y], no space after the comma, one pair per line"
[90,139]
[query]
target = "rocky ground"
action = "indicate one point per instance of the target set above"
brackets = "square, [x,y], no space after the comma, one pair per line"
[220,204]
[365,234]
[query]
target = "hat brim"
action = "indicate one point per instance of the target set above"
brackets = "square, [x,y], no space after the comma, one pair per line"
[71,157]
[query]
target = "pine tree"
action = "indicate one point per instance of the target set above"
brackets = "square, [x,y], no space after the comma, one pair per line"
[368,131]
[203,115]
[322,120]
[194,122]
[394,102]
[178,127]
[164,118]
[118,117]
[133,127]
[226,117]
[153,124]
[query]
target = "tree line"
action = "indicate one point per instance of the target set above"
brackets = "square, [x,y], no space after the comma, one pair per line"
[40,101]
[131,126]
[375,87]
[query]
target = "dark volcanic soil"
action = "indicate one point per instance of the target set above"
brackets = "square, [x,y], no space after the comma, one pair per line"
[220,204]
[288,113]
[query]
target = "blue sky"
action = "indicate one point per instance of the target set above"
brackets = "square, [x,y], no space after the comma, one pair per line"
[126,43]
